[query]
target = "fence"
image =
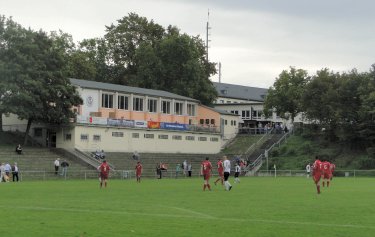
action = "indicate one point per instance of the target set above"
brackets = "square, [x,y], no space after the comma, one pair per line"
[299,173]
[42,175]
[130,174]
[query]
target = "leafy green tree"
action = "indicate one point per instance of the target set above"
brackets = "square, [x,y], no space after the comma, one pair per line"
[285,95]
[123,40]
[37,89]
[320,98]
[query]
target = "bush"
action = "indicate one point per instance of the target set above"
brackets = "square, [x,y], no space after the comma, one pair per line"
[292,152]
[306,148]
[275,152]
[367,163]
[371,152]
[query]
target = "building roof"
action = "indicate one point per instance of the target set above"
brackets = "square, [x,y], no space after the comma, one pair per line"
[240,92]
[128,89]
[220,111]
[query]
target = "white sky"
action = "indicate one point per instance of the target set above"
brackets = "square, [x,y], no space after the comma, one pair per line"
[253,39]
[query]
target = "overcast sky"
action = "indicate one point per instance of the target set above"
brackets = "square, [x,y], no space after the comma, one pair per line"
[253,39]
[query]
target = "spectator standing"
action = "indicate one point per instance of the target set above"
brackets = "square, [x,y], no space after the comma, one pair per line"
[189,169]
[57,165]
[185,167]
[64,166]
[15,172]
[178,169]
[158,170]
[19,149]
[2,172]
[7,169]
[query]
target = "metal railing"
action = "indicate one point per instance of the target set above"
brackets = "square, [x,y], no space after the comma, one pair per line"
[303,173]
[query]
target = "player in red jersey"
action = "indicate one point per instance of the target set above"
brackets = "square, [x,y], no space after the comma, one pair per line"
[317,173]
[332,167]
[206,168]
[220,171]
[326,172]
[104,172]
[138,171]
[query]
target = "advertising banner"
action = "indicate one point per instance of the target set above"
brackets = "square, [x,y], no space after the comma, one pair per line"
[114,122]
[174,126]
[82,119]
[140,124]
[127,123]
[153,125]
[98,120]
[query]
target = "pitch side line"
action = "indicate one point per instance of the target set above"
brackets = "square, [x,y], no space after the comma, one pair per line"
[195,216]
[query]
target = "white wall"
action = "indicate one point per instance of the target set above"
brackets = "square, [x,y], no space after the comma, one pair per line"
[129,144]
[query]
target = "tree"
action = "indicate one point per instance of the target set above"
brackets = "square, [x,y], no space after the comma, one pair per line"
[37,89]
[285,95]
[123,40]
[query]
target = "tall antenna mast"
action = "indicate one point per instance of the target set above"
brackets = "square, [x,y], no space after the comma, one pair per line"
[207,33]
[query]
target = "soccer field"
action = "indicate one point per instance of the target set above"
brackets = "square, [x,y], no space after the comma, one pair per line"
[261,206]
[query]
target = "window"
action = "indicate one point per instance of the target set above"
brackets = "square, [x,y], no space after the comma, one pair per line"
[152,105]
[135,135]
[226,122]
[191,109]
[178,108]
[235,122]
[231,122]
[149,136]
[96,138]
[213,121]
[107,100]
[162,136]
[123,102]
[221,101]
[189,138]
[68,137]
[166,107]
[234,112]
[85,137]
[202,139]
[207,121]
[201,121]
[137,104]
[117,134]
[177,137]
[246,114]
[214,139]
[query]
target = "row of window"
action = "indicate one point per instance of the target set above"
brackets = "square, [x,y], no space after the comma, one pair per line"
[138,105]
[232,122]
[97,138]
[246,113]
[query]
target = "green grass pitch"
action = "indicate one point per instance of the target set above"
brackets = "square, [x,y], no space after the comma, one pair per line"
[261,206]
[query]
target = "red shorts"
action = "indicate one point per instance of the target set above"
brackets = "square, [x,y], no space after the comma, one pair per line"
[138,174]
[327,175]
[221,174]
[206,176]
[316,177]
[103,176]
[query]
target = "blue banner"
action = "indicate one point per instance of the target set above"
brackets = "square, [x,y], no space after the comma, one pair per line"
[174,126]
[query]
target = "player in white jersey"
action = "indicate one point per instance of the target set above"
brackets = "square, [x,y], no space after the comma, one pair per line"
[227,185]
